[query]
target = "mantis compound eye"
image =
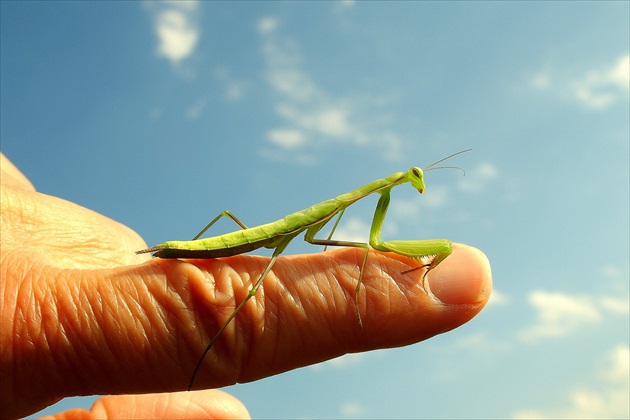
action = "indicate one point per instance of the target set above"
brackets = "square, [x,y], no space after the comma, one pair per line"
[416,177]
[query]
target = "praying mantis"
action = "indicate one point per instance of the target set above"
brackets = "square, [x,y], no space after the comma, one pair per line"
[277,236]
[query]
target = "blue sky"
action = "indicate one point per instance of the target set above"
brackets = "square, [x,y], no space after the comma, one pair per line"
[161,115]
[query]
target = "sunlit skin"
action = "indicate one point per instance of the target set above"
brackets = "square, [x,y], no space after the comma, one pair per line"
[82,314]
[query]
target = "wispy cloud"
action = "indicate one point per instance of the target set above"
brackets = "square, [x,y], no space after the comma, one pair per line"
[234,90]
[609,400]
[498,298]
[596,89]
[438,196]
[353,229]
[341,362]
[616,305]
[175,25]
[286,138]
[194,111]
[619,364]
[268,24]
[601,88]
[613,272]
[345,4]
[559,314]
[484,343]
[352,409]
[312,115]
[478,178]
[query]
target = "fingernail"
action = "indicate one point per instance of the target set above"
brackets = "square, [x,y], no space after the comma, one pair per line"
[462,278]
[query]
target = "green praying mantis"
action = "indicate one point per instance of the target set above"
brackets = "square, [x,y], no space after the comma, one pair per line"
[277,236]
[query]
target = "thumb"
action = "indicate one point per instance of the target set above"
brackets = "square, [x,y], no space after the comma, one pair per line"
[208,404]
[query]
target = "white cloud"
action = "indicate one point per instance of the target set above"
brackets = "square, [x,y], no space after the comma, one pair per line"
[597,89]
[477,179]
[541,81]
[610,400]
[484,344]
[616,305]
[194,111]
[341,362]
[268,24]
[353,229]
[439,196]
[286,138]
[175,25]
[352,409]
[328,120]
[435,197]
[619,74]
[405,209]
[612,271]
[321,116]
[234,90]
[559,314]
[277,154]
[601,88]
[619,366]
[347,4]
[498,298]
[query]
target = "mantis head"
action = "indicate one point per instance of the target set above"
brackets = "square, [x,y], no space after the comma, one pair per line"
[416,177]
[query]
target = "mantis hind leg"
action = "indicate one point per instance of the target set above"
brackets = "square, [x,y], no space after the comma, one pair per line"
[332,231]
[225,213]
[250,294]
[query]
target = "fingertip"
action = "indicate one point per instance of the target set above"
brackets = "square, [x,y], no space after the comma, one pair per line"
[465,277]
[218,404]
[209,403]
[13,176]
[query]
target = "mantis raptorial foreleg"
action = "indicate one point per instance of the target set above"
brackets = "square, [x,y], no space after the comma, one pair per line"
[438,249]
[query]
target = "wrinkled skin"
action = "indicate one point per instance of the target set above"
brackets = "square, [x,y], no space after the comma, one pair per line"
[82,314]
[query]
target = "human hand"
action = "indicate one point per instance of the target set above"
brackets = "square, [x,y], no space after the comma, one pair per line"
[82,314]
